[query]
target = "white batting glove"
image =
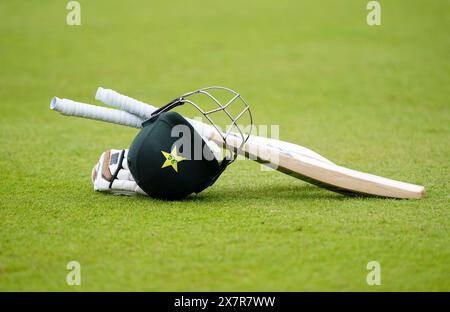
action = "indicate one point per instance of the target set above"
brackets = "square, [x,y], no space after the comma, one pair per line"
[111,174]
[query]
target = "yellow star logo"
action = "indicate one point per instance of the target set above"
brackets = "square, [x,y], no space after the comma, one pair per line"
[172,159]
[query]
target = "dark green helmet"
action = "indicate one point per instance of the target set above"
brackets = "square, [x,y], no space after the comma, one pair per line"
[169,166]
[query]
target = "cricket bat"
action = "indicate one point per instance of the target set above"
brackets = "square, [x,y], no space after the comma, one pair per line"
[307,167]
[326,175]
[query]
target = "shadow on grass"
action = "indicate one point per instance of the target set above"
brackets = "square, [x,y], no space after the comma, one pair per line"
[273,192]
[262,193]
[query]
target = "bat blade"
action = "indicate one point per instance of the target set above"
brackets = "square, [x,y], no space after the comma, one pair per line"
[324,174]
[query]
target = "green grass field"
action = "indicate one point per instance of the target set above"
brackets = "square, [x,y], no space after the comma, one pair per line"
[374,99]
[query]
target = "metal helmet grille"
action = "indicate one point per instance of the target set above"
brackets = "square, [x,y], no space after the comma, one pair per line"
[223,106]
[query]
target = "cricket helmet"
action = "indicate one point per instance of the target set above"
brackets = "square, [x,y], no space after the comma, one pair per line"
[171,159]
